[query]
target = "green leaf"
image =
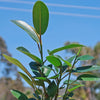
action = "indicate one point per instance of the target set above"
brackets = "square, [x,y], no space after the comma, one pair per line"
[87,68]
[88,77]
[41,78]
[15,62]
[85,57]
[54,60]
[68,63]
[34,67]
[65,47]
[54,77]
[72,89]
[25,51]
[19,95]
[46,70]
[79,51]
[26,78]
[52,89]
[27,28]
[40,17]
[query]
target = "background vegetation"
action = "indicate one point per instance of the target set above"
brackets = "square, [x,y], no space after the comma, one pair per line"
[90,92]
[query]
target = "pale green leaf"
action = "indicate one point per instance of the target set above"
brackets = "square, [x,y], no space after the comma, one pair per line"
[27,28]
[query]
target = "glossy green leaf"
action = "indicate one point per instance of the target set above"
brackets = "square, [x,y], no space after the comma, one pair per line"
[46,70]
[54,77]
[88,77]
[87,68]
[34,67]
[54,60]
[65,47]
[85,57]
[15,62]
[52,89]
[75,87]
[27,28]
[19,95]
[40,17]
[26,52]
[25,77]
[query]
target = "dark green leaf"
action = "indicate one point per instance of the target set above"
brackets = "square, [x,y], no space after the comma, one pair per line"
[26,28]
[52,89]
[40,17]
[70,95]
[26,78]
[34,67]
[31,99]
[64,67]
[37,96]
[75,87]
[65,47]
[19,95]
[87,68]
[25,51]
[85,57]
[88,77]
[54,60]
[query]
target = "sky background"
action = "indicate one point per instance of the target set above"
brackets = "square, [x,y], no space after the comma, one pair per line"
[70,20]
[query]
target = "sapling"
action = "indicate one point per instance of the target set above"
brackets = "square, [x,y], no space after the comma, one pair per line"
[45,86]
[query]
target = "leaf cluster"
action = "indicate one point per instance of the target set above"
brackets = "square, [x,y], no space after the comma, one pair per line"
[60,68]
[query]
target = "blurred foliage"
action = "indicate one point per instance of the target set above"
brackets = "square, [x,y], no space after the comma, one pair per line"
[88,93]
[83,93]
[9,70]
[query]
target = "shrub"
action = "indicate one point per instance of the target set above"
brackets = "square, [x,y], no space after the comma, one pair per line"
[62,69]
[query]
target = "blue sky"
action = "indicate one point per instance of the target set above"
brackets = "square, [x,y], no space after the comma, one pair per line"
[70,20]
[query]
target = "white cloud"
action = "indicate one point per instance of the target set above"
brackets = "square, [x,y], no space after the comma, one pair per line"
[54,13]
